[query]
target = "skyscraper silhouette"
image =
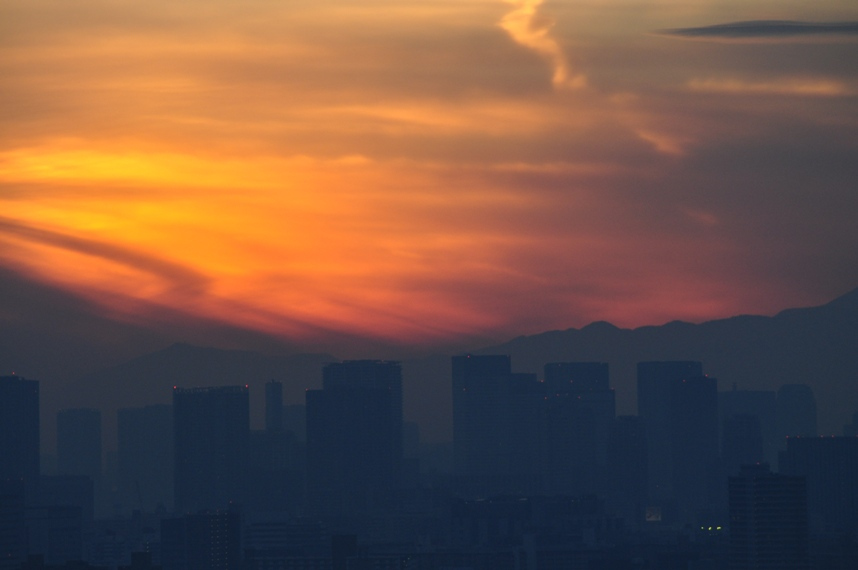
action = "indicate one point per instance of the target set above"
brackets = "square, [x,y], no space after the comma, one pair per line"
[211,427]
[354,437]
[655,382]
[202,541]
[830,465]
[741,442]
[499,427]
[768,521]
[19,429]
[627,468]
[761,404]
[796,412]
[679,408]
[581,408]
[13,525]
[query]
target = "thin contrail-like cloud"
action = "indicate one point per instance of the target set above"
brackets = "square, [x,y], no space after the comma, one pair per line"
[179,277]
[522,26]
[766,29]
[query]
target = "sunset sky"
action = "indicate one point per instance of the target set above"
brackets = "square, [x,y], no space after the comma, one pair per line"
[431,172]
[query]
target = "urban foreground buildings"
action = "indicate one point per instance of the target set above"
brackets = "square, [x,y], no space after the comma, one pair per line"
[541,474]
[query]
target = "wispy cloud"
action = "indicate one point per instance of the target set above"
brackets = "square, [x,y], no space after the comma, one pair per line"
[766,29]
[796,87]
[524,26]
[406,170]
[178,277]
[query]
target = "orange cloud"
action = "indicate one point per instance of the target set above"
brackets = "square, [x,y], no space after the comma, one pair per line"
[399,170]
[525,27]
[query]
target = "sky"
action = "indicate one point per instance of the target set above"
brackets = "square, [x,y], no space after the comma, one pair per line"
[429,173]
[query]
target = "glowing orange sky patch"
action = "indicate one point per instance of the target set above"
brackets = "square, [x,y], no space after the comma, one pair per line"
[416,171]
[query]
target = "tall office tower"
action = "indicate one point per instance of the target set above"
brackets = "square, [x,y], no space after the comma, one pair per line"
[741,442]
[626,474]
[202,541]
[759,403]
[13,525]
[697,482]
[768,521]
[354,437]
[275,464]
[796,412]
[211,430]
[145,457]
[581,408]
[273,406]
[679,408]
[79,443]
[830,465]
[470,372]
[19,429]
[499,426]
[655,407]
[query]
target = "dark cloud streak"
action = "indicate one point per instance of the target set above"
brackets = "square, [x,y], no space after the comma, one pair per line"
[766,29]
[180,277]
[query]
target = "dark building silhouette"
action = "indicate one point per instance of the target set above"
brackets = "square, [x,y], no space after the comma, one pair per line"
[275,472]
[211,431]
[580,410]
[354,437]
[679,408]
[470,372]
[768,521]
[69,491]
[79,443]
[270,539]
[655,408]
[145,457]
[13,525]
[499,427]
[627,469]
[796,412]
[140,561]
[55,532]
[208,540]
[19,429]
[273,406]
[830,465]
[741,442]
[697,482]
[761,404]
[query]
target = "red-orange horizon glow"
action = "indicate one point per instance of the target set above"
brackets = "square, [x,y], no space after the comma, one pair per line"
[419,173]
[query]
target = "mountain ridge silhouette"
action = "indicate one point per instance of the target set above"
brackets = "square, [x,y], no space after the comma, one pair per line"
[817,346]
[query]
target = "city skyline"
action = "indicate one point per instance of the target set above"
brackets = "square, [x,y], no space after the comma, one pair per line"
[422,176]
[542,468]
[755,353]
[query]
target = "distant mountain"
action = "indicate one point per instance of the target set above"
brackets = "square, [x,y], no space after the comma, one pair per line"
[816,346]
